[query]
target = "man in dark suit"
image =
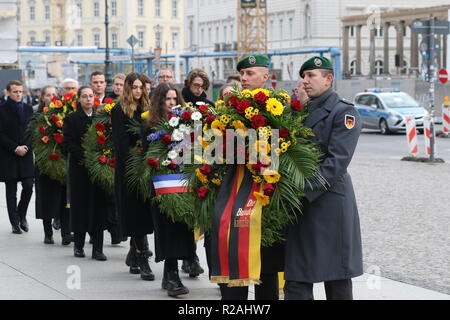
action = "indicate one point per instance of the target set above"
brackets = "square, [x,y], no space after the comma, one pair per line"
[16,156]
[324,245]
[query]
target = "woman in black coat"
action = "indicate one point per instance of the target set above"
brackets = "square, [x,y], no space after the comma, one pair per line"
[173,240]
[88,205]
[195,87]
[16,155]
[134,214]
[51,197]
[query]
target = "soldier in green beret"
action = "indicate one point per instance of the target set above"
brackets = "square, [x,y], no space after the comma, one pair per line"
[254,70]
[324,244]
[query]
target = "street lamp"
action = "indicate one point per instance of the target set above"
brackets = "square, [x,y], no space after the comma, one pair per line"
[108,63]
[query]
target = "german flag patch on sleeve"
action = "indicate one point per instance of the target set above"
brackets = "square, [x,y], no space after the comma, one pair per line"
[349,121]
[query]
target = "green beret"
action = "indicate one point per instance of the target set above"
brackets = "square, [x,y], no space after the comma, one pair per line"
[254,60]
[316,63]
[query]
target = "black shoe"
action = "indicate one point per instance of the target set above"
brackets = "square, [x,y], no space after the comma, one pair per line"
[144,267]
[186,266]
[131,261]
[195,269]
[24,224]
[67,239]
[97,255]
[91,241]
[79,253]
[16,230]
[174,285]
[56,224]
[49,240]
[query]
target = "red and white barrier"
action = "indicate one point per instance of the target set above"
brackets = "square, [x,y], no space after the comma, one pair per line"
[411,135]
[446,119]
[427,135]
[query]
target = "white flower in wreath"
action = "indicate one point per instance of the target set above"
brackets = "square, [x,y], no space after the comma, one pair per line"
[177,135]
[200,103]
[173,122]
[196,116]
[172,155]
[165,163]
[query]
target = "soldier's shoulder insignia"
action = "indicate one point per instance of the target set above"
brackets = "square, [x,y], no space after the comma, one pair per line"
[349,121]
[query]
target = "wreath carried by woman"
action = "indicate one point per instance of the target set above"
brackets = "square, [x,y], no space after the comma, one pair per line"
[47,137]
[99,149]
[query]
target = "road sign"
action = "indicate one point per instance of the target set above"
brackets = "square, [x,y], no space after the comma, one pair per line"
[132,41]
[443,76]
[274,81]
[423,27]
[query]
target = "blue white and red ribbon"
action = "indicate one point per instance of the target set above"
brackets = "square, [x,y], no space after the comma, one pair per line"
[170,183]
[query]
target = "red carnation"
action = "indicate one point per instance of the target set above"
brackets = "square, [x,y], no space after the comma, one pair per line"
[296,105]
[206,169]
[210,118]
[242,105]
[108,101]
[41,129]
[186,116]
[54,98]
[166,139]
[202,192]
[102,159]
[59,138]
[96,102]
[258,121]
[101,139]
[232,101]
[139,150]
[112,162]
[54,157]
[54,118]
[152,162]
[170,116]
[269,189]
[100,127]
[261,98]
[259,166]
[68,97]
[203,108]
[284,133]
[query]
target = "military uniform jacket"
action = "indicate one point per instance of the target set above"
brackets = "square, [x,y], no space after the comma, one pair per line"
[12,135]
[325,242]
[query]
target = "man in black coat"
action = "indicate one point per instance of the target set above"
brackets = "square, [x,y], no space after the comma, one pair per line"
[324,245]
[16,156]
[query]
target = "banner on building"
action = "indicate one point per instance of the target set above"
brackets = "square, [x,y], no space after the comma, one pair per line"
[252,3]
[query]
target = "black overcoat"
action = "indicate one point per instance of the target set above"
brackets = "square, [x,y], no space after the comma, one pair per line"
[51,197]
[88,202]
[135,215]
[325,243]
[12,135]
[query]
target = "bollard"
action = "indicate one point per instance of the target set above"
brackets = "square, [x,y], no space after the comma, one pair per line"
[427,135]
[446,116]
[411,135]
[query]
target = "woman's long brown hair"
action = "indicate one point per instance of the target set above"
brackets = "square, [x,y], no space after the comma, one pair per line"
[127,102]
[158,103]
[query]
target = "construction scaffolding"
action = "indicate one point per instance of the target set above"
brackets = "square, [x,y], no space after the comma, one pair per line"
[252,27]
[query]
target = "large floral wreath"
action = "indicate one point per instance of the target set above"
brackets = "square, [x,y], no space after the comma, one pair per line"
[99,149]
[47,137]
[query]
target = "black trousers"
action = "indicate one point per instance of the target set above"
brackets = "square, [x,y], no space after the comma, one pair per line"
[335,290]
[65,225]
[267,290]
[18,211]
[97,240]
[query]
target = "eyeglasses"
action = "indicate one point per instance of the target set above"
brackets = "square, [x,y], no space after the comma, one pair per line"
[197,86]
[164,77]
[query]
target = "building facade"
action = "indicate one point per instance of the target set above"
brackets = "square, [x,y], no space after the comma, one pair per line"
[292,25]
[81,23]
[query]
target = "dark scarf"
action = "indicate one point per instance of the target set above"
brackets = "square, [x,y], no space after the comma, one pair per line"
[18,108]
[188,96]
[316,103]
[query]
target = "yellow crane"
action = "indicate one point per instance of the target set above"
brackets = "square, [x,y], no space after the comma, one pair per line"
[58,21]
[252,27]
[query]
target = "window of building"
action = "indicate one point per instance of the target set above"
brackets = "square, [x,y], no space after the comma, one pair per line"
[18,13]
[158,8]
[271,26]
[281,34]
[140,8]
[158,37]
[174,40]
[209,35]
[225,35]
[32,12]
[291,28]
[353,68]
[174,8]
[79,10]
[202,36]
[96,38]
[47,12]
[378,67]
[96,9]
[79,39]
[232,32]
[352,31]
[307,22]
[141,35]
[47,37]
[217,34]
[114,40]
[32,36]
[114,8]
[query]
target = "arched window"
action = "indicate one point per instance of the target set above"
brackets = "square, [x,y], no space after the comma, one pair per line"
[378,67]
[307,21]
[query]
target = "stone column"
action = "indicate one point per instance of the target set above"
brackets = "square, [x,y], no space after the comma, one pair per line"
[414,50]
[386,47]
[358,50]
[444,51]
[345,49]
[439,59]
[372,53]
[399,50]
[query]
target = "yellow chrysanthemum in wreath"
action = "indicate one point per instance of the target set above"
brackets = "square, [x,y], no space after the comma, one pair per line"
[265,200]
[219,125]
[201,176]
[271,176]
[256,91]
[274,106]
[245,94]
[262,146]
[285,96]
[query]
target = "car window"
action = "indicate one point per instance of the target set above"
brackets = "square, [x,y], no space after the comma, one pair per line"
[399,100]
[377,102]
[364,100]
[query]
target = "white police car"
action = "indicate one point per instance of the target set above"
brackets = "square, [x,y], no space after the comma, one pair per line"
[386,109]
